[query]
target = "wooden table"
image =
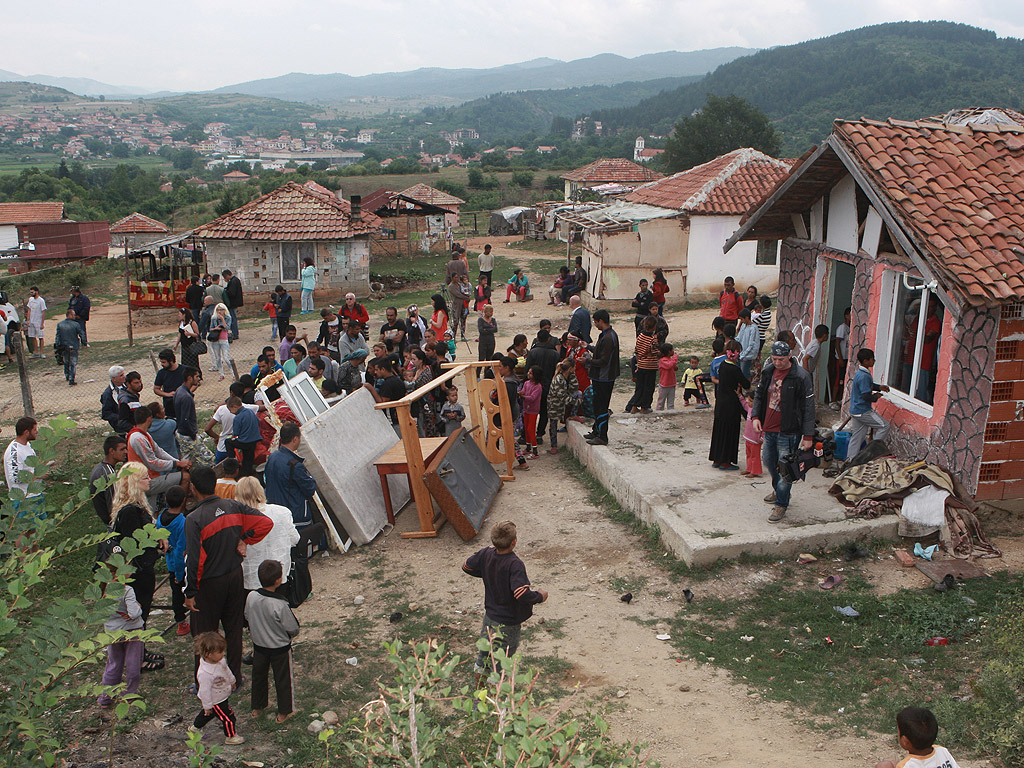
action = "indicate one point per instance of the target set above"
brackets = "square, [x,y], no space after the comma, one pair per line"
[394,462]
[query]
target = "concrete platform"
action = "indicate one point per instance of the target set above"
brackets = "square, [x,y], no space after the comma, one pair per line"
[656,466]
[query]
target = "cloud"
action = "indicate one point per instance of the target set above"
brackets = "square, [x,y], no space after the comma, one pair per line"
[201,44]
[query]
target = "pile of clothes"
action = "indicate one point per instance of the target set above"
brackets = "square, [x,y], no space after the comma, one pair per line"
[925,497]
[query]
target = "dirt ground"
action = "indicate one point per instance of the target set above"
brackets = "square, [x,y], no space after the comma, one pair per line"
[689,714]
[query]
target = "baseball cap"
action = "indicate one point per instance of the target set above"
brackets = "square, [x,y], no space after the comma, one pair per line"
[780,349]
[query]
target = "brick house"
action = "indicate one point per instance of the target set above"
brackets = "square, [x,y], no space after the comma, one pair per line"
[265,242]
[135,230]
[919,228]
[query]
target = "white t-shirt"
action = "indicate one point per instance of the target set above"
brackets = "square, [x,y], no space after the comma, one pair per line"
[939,758]
[36,310]
[226,418]
[14,464]
[842,333]
[811,352]
[486,262]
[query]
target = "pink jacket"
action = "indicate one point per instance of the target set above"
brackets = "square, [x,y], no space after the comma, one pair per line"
[667,370]
[531,392]
[749,434]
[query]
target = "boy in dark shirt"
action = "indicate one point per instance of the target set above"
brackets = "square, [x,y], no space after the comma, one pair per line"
[508,599]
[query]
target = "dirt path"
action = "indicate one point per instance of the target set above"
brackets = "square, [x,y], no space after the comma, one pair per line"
[689,714]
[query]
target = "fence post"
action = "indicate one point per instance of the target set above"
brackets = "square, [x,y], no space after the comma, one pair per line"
[26,386]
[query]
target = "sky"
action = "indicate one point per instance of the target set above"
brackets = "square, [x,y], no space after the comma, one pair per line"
[203,44]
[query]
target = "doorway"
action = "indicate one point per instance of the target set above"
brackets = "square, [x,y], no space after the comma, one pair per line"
[840,296]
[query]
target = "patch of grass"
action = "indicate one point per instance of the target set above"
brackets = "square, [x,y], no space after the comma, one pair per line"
[622,584]
[855,672]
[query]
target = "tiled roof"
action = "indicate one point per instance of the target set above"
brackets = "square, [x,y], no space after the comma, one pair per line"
[136,223]
[612,169]
[30,213]
[316,187]
[422,193]
[236,175]
[727,185]
[290,212]
[959,189]
[379,198]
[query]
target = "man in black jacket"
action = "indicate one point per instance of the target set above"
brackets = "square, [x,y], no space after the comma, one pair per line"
[216,534]
[233,291]
[284,310]
[783,412]
[128,401]
[108,400]
[604,369]
[543,354]
[194,297]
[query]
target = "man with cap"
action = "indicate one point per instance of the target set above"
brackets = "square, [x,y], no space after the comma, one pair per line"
[80,303]
[784,412]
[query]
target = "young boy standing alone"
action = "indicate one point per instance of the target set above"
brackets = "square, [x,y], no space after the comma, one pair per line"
[508,599]
[272,626]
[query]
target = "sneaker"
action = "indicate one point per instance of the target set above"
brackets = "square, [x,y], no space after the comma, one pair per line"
[192,729]
[702,406]
[184,628]
[233,740]
[777,514]
[596,441]
[770,498]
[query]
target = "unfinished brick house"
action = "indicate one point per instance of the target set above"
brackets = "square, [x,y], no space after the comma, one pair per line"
[265,242]
[135,230]
[919,228]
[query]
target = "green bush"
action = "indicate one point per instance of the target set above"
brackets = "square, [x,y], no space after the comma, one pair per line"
[998,702]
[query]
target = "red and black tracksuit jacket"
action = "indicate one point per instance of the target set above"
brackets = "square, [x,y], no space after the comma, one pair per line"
[212,532]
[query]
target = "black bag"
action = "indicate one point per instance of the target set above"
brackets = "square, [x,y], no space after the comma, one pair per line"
[213,334]
[793,467]
[300,584]
[197,347]
[105,549]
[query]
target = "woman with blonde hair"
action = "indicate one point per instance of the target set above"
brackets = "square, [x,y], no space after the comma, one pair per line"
[220,329]
[130,513]
[276,545]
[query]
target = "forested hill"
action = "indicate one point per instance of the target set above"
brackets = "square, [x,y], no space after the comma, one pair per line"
[905,70]
[504,116]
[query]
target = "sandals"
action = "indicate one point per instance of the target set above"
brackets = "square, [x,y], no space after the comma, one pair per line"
[152,665]
[831,582]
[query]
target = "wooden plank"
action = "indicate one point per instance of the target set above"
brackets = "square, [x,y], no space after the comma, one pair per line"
[818,220]
[799,226]
[842,215]
[416,394]
[475,408]
[872,233]
[414,460]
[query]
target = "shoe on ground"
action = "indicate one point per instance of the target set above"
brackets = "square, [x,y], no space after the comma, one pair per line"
[192,729]
[702,406]
[234,740]
[596,441]
[552,451]
[770,498]
[247,659]
[777,514]
[184,628]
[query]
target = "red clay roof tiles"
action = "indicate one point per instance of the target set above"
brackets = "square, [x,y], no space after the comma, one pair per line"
[290,212]
[727,185]
[959,189]
[30,213]
[136,223]
[612,169]
[423,193]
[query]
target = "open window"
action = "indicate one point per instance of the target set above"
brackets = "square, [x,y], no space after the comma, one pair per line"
[909,334]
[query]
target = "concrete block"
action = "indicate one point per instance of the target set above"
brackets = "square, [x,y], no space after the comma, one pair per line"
[340,446]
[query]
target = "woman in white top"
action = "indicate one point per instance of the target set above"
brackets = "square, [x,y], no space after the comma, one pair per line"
[277,545]
[220,327]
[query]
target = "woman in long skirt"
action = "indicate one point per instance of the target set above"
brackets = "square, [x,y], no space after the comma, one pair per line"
[725,434]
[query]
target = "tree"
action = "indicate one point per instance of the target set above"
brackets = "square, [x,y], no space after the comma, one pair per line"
[522,178]
[721,125]
[476,178]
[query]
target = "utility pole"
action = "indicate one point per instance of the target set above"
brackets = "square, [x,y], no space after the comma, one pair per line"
[128,293]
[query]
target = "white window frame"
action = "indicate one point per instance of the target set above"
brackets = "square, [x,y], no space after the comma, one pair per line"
[885,331]
[298,260]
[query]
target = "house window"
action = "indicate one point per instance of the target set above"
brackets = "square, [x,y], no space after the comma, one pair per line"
[767,253]
[292,256]
[909,335]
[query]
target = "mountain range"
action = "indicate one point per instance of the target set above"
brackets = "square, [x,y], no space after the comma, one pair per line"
[604,69]
[83,86]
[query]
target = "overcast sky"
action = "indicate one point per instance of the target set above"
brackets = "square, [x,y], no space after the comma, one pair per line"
[202,44]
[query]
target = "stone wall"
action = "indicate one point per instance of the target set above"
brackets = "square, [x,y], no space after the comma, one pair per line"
[342,265]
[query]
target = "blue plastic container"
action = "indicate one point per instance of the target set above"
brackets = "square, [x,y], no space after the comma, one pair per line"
[842,445]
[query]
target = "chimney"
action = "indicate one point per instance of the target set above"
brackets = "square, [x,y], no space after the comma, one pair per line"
[357,207]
